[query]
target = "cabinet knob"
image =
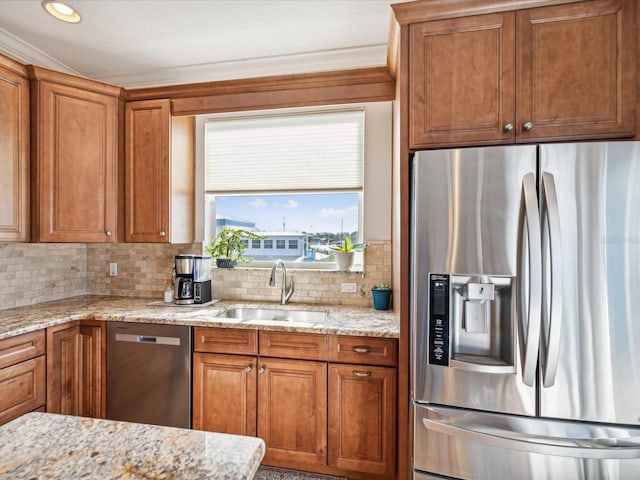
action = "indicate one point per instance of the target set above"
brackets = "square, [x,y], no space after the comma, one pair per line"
[108,232]
[508,127]
[162,234]
[248,368]
[527,126]
[261,369]
[360,373]
[361,349]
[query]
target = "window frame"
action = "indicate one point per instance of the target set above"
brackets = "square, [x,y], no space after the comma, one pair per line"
[374,217]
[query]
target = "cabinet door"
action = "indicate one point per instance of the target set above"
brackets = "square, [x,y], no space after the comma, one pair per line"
[292,417]
[576,71]
[147,130]
[62,377]
[76,165]
[75,367]
[362,417]
[224,393]
[91,367]
[22,388]
[462,81]
[14,157]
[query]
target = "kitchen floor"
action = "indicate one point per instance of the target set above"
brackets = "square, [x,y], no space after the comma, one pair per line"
[270,473]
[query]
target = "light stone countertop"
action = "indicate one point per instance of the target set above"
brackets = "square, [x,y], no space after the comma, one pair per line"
[50,446]
[340,320]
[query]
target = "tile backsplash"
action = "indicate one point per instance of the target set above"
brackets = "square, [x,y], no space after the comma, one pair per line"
[311,286]
[37,272]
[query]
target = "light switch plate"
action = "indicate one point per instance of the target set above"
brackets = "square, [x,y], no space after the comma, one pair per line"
[113,269]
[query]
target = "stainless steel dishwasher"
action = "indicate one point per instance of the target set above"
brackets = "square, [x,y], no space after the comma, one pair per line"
[149,373]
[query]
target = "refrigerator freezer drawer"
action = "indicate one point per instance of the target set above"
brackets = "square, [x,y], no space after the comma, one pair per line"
[473,445]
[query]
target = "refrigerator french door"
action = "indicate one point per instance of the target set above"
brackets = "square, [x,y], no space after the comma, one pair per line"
[525,329]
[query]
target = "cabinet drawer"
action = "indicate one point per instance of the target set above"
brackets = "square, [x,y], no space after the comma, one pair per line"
[23,347]
[226,340]
[22,388]
[301,346]
[364,350]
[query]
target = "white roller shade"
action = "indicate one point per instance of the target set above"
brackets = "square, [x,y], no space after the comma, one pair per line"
[296,152]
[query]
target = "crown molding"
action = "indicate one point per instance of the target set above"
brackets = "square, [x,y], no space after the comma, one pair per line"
[27,54]
[340,59]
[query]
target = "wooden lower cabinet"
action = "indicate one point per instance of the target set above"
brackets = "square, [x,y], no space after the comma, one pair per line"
[296,391]
[76,369]
[292,410]
[22,375]
[224,393]
[362,418]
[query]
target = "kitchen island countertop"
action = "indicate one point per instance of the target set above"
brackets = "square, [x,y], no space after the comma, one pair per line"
[50,446]
[340,320]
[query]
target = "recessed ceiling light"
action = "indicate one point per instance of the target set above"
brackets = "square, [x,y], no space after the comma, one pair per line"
[61,11]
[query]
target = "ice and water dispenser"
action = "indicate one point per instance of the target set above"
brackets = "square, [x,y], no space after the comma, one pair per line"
[471,324]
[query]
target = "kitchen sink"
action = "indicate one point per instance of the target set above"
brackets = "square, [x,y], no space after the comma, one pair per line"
[263,315]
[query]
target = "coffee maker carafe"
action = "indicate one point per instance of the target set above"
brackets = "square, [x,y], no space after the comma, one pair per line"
[184,279]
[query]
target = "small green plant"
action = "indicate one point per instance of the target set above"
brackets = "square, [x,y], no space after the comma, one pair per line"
[229,244]
[348,247]
[381,286]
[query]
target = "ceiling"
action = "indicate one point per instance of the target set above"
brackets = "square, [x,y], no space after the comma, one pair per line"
[144,43]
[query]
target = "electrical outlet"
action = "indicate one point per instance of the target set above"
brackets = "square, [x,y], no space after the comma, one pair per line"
[113,269]
[349,288]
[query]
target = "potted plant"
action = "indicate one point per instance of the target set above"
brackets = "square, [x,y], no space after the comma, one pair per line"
[228,248]
[344,253]
[381,293]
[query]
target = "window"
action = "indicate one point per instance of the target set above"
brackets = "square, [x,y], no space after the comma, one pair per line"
[298,176]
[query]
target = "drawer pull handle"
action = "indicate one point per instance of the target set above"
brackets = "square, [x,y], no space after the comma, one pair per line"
[360,373]
[248,368]
[262,369]
[361,349]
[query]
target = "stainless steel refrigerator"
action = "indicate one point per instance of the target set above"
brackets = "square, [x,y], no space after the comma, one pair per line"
[525,328]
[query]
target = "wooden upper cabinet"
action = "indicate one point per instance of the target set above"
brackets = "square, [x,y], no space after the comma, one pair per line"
[576,75]
[159,179]
[561,72]
[14,152]
[462,81]
[75,160]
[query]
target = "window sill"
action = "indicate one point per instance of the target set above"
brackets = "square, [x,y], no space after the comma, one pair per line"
[330,267]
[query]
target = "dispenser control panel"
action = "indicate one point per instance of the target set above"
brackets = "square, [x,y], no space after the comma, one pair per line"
[439,320]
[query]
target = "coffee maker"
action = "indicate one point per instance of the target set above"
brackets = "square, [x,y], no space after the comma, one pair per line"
[184,280]
[193,279]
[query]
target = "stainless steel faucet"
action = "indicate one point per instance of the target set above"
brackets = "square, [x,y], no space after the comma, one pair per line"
[286,293]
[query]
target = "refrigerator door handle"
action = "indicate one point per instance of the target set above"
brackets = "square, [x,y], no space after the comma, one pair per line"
[554,314]
[529,344]
[494,436]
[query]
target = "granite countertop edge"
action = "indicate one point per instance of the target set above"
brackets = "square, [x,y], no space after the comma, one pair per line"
[96,448]
[341,320]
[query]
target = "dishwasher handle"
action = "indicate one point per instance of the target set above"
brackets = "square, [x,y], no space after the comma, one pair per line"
[126,337]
